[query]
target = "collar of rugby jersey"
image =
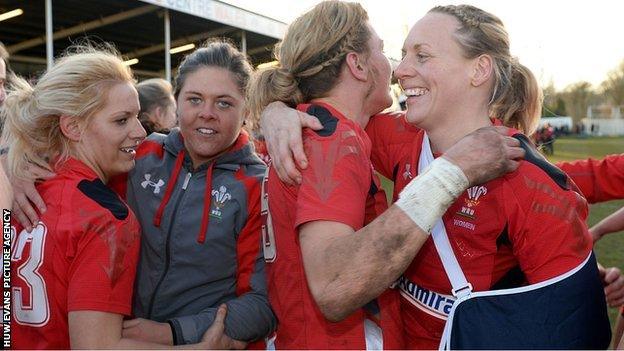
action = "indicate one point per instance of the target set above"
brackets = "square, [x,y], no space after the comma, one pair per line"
[333,111]
[75,166]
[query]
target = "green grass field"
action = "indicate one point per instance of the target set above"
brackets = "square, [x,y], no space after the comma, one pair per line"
[610,249]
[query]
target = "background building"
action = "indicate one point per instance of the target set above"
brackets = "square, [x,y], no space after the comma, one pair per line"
[153,35]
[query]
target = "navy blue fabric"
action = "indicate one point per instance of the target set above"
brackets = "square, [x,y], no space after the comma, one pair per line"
[329,122]
[570,314]
[104,196]
[535,157]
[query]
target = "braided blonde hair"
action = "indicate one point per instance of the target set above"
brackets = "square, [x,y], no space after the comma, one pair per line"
[311,55]
[516,96]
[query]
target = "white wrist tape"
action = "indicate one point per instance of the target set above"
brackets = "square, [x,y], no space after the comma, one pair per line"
[428,196]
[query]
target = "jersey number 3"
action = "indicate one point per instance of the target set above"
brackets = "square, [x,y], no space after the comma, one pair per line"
[35,311]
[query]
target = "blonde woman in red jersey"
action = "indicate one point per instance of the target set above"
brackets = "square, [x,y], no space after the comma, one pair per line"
[73,272]
[459,76]
[329,266]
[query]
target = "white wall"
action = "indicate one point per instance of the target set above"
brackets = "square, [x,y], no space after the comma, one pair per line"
[611,127]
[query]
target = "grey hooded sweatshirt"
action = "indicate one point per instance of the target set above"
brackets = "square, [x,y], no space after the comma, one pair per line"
[201,239]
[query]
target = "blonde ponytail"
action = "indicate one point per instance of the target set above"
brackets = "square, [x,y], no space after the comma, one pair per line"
[273,84]
[27,134]
[519,104]
[311,55]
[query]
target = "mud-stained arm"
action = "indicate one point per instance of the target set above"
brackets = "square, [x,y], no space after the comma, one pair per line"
[346,269]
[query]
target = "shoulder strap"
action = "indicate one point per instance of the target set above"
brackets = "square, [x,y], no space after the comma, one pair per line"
[461,286]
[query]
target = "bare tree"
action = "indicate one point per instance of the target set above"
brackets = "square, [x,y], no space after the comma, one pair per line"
[613,86]
[577,98]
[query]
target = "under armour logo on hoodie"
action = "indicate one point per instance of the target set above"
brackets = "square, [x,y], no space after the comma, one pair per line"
[148,182]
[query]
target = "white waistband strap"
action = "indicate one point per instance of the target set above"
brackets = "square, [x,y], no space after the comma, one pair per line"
[373,335]
[461,286]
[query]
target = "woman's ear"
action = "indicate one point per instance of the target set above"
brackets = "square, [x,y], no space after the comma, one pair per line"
[357,66]
[70,127]
[482,70]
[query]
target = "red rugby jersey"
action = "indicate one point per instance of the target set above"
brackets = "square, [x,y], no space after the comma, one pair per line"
[81,256]
[522,222]
[338,185]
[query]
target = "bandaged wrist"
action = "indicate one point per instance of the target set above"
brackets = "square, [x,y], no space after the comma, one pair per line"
[428,196]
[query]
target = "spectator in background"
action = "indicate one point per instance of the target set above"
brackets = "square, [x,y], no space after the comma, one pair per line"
[545,139]
[158,106]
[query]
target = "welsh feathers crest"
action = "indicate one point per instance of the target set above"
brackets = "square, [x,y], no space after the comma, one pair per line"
[220,196]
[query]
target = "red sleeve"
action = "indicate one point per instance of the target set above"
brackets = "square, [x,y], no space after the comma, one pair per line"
[546,224]
[376,129]
[336,183]
[249,239]
[598,180]
[103,258]
[390,134]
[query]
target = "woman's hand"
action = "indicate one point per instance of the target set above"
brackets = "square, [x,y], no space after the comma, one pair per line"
[26,195]
[281,128]
[215,337]
[613,282]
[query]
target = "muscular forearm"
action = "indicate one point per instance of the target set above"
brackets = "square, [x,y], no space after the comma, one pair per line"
[352,269]
[361,266]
